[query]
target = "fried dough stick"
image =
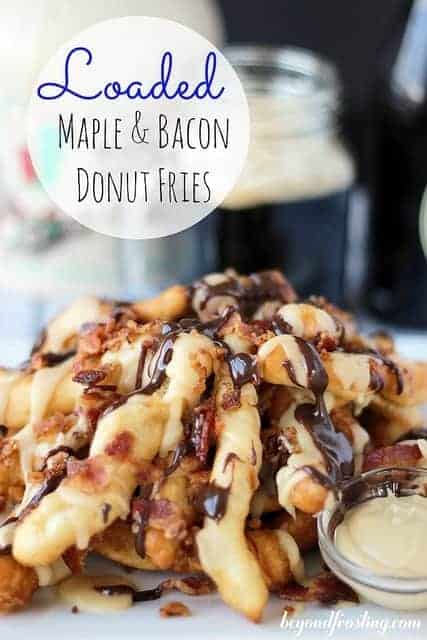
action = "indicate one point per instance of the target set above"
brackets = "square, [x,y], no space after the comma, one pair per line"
[311,323]
[352,376]
[125,437]
[223,551]
[286,360]
[349,374]
[62,331]
[19,391]
[61,336]
[298,488]
[387,422]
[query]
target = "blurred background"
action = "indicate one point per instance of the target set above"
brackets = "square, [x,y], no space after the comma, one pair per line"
[333,189]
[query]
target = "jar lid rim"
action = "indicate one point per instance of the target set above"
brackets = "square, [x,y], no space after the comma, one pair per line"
[292,63]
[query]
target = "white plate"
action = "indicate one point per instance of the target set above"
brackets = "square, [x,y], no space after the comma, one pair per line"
[49,619]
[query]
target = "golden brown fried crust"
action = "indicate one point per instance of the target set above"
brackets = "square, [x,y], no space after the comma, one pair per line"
[171,304]
[17,584]
[303,528]
[387,422]
[118,543]
[272,559]
[174,609]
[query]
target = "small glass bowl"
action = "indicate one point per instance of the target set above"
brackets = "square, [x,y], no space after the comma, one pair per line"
[388,591]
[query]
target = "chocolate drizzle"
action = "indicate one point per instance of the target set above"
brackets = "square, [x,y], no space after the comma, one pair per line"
[376,381]
[10,520]
[212,501]
[243,369]
[140,368]
[248,293]
[124,589]
[61,449]
[414,434]
[5,551]
[51,359]
[183,449]
[335,447]
[141,510]
[48,486]
[241,365]
[280,326]
[105,511]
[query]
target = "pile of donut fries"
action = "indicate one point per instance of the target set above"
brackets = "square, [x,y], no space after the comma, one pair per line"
[200,431]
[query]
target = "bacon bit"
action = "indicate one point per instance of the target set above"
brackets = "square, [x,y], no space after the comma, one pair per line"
[325,342]
[92,416]
[90,377]
[396,455]
[74,559]
[160,514]
[198,585]
[291,611]
[91,471]
[325,588]
[231,400]
[174,609]
[203,429]
[121,445]
[58,423]
[92,338]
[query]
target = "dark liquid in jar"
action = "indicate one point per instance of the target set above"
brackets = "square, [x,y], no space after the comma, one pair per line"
[397,286]
[306,239]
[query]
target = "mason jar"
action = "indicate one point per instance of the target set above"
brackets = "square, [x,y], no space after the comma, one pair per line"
[289,209]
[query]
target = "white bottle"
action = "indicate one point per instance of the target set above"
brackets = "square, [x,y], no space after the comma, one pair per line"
[30,34]
[83,262]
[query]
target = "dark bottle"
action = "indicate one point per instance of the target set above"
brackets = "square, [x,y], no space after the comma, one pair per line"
[397,281]
[289,208]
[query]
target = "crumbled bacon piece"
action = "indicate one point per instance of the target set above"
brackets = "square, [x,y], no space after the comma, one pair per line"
[325,588]
[160,514]
[231,400]
[92,338]
[203,429]
[121,446]
[396,455]
[58,423]
[90,471]
[174,609]
[90,377]
[197,585]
